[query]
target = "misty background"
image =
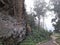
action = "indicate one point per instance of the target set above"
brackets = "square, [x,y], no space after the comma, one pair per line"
[49,14]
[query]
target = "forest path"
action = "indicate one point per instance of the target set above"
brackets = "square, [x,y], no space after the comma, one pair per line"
[50,42]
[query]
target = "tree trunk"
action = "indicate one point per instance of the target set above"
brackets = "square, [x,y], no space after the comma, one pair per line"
[19,30]
[38,22]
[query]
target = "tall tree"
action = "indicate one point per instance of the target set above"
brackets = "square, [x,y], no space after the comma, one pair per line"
[15,30]
[39,9]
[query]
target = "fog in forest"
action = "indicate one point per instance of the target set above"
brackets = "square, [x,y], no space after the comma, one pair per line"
[47,19]
[29,22]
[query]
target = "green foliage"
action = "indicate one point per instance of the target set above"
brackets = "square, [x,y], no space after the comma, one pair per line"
[36,37]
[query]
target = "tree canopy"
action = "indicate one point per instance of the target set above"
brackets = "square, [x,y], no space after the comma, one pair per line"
[56,9]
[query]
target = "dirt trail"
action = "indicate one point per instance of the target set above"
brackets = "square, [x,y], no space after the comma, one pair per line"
[50,42]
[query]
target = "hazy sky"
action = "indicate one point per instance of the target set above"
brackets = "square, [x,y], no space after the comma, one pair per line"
[48,24]
[29,5]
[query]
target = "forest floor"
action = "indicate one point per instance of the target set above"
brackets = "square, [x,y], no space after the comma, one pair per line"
[52,41]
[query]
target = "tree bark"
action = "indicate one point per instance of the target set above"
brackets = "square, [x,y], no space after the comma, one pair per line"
[20,28]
